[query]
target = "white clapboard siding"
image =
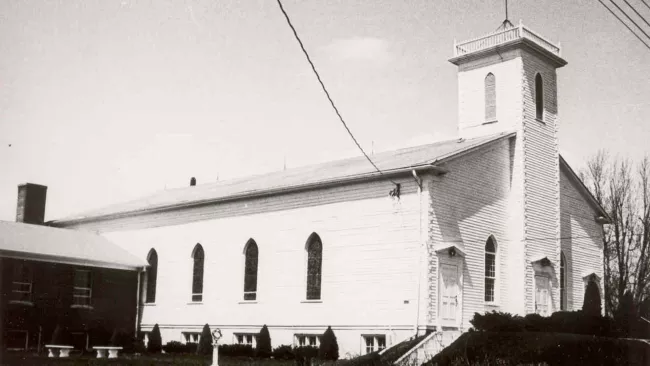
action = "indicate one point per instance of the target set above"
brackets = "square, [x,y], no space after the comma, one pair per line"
[581,239]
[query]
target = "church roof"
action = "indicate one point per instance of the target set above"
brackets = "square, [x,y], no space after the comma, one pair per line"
[43,243]
[301,178]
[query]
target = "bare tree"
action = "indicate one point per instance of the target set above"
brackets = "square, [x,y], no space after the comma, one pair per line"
[624,192]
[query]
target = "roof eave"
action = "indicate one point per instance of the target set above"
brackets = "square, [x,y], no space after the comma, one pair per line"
[426,168]
[604,217]
[40,257]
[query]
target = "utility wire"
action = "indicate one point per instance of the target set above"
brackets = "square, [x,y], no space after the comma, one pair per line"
[637,13]
[286,16]
[622,22]
[629,18]
[646,4]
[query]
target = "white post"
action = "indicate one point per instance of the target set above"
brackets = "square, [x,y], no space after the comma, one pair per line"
[216,335]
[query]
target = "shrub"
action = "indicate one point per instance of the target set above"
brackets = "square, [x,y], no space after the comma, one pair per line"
[304,354]
[498,321]
[180,348]
[205,342]
[536,323]
[329,347]
[264,343]
[155,340]
[283,352]
[236,350]
[591,304]
[626,315]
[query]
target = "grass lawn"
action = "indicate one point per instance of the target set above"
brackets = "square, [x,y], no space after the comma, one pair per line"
[22,358]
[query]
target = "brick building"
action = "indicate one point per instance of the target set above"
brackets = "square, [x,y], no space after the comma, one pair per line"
[51,276]
[493,220]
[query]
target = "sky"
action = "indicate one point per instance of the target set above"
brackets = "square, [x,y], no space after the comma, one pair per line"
[106,101]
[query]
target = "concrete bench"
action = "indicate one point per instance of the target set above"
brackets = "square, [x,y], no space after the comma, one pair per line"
[112,351]
[64,351]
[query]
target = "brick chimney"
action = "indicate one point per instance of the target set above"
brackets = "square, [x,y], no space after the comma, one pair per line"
[30,208]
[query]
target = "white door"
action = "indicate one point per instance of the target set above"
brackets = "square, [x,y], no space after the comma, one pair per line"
[449,291]
[542,296]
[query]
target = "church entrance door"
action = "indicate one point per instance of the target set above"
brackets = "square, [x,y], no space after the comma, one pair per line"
[449,294]
[542,295]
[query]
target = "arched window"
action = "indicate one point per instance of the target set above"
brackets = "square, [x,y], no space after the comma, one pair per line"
[563,282]
[250,270]
[490,98]
[151,276]
[539,98]
[314,266]
[490,269]
[198,257]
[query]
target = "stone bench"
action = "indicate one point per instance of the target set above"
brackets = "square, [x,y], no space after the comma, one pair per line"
[64,351]
[112,351]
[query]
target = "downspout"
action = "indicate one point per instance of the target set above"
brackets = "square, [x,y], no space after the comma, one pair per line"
[417,316]
[140,273]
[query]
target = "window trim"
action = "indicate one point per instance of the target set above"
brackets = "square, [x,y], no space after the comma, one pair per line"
[539,97]
[29,281]
[254,337]
[197,297]
[495,300]
[187,339]
[89,290]
[255,294]
[314,237]
[24,331]
[490,118]
[298,336]
[375,345]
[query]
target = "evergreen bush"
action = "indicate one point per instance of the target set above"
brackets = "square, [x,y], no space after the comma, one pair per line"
[627,316]
[205,342]
[264,349]
[283,352]
[155,340]
[329,347]
[591,304]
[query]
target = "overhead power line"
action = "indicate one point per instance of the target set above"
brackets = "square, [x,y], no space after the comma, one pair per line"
[646,4]
[629,18]
[295,33]
[637,13]
[623,22]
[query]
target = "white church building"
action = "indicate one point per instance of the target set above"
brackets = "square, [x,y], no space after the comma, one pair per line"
[493,220]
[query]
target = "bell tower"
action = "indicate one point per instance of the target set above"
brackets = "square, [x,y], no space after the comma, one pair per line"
[507,82]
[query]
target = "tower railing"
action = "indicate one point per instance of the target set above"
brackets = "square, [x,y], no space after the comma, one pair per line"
[501,37]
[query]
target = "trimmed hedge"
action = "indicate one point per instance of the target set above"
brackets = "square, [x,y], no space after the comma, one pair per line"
[283,352]
[515,348]
[236,350]
[575,322]
[180,348]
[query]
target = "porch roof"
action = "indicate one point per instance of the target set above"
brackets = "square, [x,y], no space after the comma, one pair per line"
[76,247]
